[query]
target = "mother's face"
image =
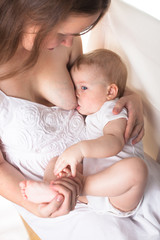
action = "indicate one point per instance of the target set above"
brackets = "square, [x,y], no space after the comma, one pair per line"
[62,34]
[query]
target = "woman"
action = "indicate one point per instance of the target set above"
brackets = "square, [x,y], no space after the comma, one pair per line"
[39,42]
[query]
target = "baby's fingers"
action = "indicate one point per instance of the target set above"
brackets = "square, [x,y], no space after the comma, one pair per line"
[59,166]
[73,170]
[65,173]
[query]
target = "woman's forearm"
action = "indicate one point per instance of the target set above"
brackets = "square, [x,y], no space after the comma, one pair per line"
[10,178]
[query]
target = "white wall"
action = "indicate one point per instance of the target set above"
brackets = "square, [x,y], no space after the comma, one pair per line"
[135,35]
[11,226]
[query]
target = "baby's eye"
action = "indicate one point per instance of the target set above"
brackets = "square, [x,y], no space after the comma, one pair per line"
[83,88]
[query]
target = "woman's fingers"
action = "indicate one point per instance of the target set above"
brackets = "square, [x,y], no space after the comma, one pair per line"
[134,128]
[76,181]
[139,132]
[46,209]
[135,124]
[65,201]
[69,197]
[130,125]
[119,105]
[71,186]
[66,206]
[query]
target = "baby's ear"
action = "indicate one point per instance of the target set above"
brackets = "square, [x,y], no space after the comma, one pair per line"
[112,91]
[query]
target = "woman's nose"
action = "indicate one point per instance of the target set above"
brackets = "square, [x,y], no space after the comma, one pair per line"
[67,41]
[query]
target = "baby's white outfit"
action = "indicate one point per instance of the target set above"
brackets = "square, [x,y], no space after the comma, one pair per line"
[94,128]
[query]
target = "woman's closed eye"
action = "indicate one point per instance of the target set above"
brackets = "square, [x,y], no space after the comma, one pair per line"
[84,88]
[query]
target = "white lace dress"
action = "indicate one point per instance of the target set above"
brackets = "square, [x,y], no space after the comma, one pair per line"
[30,135]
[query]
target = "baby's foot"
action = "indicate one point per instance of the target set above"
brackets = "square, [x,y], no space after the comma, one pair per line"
[38,192]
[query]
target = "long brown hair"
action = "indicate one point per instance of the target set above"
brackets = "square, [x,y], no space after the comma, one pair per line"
[15,15]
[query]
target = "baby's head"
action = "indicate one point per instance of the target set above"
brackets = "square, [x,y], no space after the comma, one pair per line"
[98,76]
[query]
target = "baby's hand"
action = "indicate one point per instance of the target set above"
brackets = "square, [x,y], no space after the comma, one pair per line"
[66,172]
[70,157]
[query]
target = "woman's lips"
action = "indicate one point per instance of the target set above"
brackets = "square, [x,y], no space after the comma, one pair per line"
[50,48]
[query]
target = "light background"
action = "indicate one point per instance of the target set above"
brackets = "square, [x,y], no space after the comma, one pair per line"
[11,227]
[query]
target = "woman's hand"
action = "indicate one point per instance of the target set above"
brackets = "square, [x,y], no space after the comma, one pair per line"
[135,123]
[65,201]
[45,210]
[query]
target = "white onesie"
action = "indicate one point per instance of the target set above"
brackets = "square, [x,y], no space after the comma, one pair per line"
[94,129]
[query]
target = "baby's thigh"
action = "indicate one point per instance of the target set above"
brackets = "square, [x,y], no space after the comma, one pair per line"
[136,179]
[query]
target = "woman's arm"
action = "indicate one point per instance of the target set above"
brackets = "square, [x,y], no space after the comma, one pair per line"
[135,123]
[10,178]
[62,204]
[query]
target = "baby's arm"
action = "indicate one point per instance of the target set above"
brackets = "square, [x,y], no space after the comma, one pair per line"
[107,145]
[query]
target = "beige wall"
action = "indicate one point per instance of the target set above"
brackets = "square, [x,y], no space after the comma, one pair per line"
[136,37]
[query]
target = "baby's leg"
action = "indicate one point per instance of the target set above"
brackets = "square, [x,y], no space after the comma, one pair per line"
[123,183]
[40,192]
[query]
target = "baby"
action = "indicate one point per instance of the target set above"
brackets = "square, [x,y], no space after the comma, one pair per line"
[114,175]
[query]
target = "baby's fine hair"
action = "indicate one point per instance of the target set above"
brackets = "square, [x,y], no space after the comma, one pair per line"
[109,63]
